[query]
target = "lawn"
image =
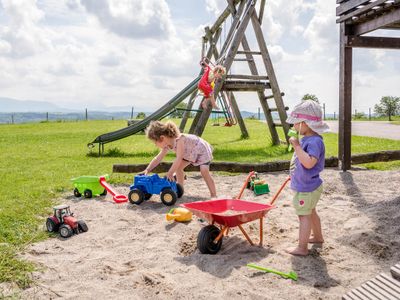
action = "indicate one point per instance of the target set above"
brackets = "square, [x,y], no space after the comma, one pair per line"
[38,160]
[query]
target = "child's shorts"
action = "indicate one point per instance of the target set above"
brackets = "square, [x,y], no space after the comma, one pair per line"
[305,202]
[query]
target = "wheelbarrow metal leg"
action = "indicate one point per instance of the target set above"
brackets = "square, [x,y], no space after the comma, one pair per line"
[221,234]
[246,235]
[261,230]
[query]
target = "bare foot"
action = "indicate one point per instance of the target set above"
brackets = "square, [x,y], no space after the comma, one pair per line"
[297,251]
[315,241]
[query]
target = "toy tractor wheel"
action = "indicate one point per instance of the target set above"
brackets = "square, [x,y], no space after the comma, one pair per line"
[65,231]
[205,240]
[136,196]
[82,227]
[168,197]
[147,196]
[76,193]
[87,193]
[51,225]
[104,193]
[180,189]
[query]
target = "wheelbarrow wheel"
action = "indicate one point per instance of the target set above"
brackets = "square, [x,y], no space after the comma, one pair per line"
[205,240]
[168,197]
[180,190]
[76,193]
[87,193]
[104,193]
[136,196]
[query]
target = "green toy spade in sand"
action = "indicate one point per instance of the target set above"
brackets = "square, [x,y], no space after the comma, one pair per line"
[291,275]
[292,133]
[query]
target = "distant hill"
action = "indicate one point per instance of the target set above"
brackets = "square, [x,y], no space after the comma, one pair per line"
[9,105]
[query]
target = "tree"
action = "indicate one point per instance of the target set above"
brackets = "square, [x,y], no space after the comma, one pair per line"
[179,113]
[141,115]
[389,106]
[310,97]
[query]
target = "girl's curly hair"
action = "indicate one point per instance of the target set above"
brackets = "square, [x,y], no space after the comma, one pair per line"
[156,129]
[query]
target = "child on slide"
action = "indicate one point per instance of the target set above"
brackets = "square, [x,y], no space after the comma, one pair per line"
[207,81]
[189,149]
[307,163]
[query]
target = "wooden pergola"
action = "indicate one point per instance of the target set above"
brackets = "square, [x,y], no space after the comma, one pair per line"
[357,18]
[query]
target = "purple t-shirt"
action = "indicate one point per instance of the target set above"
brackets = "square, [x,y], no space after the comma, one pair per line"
[303,179]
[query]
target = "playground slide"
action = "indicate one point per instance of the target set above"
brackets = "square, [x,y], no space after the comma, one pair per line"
[160,113]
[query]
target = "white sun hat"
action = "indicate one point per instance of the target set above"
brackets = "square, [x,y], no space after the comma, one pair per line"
[310,112]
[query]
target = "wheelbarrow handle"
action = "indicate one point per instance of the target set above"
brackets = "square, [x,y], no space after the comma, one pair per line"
[244,185]
[279,191]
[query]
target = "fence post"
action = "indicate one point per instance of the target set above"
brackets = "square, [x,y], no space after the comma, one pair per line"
[324,110]
[47,116]
[259,114]
[334,115]
[369,113]
[132,113]
[86,115]
[12,118]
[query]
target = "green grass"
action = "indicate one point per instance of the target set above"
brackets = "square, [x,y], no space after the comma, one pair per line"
[38,160]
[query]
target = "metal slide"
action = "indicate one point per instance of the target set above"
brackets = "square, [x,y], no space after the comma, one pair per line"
[159,114]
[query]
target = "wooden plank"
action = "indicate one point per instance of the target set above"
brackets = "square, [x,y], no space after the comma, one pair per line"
[390,283]
[375,293]
[383,289]
[243,59]
[373,42]
[249,52]
[275,109]
[376,23]
[375,157]
[271,73]
[234,167]
[395,270]
[239,118]
[360,11]
[250,77]
[261,13]
[345,99]
[350,5]
[272,96]
[245,86]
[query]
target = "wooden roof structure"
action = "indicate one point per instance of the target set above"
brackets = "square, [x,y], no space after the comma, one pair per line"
[357,18]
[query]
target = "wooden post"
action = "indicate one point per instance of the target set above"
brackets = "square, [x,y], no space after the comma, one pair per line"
[369,113]
[271,73]
[345,98]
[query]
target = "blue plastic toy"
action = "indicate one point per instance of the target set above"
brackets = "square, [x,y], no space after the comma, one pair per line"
[144,186]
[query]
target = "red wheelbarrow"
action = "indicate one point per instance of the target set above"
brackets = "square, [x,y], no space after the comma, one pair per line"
[227,213]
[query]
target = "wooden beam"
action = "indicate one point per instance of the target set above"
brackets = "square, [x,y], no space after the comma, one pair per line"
[360,11]
[250,77]
[271,73]
[245,86]
[373,42]
[272,96]
[379,22]
[261,13]
[349,5]
[345,95]
[249,52]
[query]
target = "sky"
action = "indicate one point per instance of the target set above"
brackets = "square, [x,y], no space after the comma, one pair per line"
[140,53]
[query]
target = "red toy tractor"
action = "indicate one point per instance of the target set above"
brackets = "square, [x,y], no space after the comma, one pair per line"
[64,222]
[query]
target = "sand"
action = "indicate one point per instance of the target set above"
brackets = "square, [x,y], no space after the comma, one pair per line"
[132,252]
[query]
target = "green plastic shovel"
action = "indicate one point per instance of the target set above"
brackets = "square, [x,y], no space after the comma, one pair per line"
[291,275]
[292,133]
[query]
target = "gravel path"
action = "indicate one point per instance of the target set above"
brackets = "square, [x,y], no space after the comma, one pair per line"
[380,129]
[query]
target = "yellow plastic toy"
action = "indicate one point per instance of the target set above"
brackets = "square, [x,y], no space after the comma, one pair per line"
[179,214]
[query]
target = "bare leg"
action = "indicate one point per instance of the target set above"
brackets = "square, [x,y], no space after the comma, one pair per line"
[213,103]
[316,228]
[205,172]
[304,236]
[180,174]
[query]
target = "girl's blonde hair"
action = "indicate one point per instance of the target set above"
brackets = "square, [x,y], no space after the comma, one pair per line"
[156,129]
[219,70]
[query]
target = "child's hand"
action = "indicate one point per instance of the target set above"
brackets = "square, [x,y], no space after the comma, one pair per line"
[294,142]
[145,172]
[170,176]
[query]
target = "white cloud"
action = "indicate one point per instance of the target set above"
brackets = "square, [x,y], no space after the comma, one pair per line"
[135,19]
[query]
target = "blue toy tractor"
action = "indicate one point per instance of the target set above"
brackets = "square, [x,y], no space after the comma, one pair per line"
[145,186]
